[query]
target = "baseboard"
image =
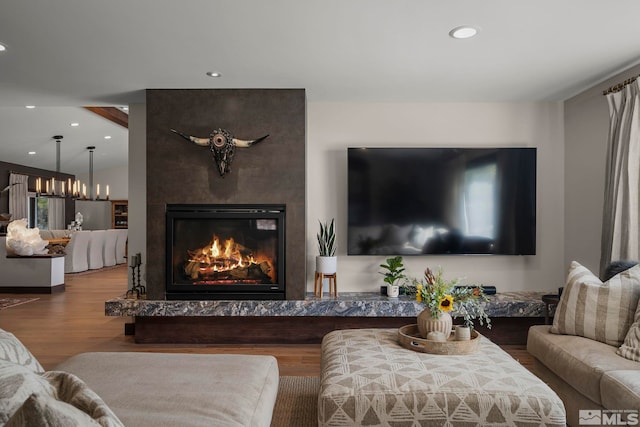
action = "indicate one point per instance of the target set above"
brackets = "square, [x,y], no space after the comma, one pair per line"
[32,289]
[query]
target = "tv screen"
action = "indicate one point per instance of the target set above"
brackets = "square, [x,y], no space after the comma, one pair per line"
[417,201]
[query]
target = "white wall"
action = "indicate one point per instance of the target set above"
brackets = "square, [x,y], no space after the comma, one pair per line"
[117,178]
[138,180]
[96,214]
[332,127]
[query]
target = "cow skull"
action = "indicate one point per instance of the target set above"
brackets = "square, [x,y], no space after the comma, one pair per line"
[222,145]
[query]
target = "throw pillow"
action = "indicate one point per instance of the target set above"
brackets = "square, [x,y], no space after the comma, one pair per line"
[616,267]
[12,350]
[17,383]
[45,411]
[599,311]
[630,349]
[72,390]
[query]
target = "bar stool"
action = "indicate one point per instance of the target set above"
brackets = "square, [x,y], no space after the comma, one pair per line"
[333,284]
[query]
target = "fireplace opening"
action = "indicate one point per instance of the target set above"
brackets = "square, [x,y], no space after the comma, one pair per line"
[225,252]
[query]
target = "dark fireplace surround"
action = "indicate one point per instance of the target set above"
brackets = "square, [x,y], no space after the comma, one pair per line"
[225,252]
[269,173]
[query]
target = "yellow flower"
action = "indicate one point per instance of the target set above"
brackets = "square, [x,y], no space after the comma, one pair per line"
[419,293]
[446,303]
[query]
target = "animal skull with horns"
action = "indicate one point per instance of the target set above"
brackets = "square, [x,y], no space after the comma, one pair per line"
[222,145]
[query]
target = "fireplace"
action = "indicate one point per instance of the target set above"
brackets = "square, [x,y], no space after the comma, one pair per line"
[225,252]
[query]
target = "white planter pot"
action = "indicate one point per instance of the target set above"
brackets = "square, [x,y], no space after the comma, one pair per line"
[393,291]
[326,264]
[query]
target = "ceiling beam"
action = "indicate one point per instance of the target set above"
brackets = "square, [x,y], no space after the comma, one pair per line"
[112,113]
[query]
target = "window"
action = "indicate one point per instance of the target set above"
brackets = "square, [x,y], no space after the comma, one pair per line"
[479,198]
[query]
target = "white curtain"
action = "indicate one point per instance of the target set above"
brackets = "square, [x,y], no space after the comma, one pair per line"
[620,226]
[18,199]
[55,213]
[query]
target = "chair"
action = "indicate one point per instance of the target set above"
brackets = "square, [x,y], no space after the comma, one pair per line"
[121,246]
[60,234]
[96,247]
[46,234]
[109,248]
[76,251]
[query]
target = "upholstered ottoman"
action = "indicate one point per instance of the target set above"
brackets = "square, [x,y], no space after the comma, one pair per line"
[194,390]
[369,379]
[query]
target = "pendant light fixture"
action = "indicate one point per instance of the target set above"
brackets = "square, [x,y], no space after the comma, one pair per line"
[97,195]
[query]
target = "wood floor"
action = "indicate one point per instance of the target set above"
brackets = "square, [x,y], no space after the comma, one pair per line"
[58,326]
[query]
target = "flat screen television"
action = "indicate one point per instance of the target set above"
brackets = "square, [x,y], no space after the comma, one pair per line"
[419,201]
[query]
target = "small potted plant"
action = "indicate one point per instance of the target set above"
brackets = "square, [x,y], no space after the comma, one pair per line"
[393,273]
[326,261]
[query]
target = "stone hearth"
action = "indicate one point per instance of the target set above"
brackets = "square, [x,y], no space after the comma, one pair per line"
[306,320]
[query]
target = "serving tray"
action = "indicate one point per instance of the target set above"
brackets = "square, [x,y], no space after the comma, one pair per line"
[410,338]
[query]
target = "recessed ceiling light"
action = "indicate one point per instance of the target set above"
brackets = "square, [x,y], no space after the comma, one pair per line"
[214,74]
[463,32]
[107,137]
[30,107]
[31,153]
[73,125]
[2,47]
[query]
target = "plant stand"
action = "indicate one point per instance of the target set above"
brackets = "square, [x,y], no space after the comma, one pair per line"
[333,285]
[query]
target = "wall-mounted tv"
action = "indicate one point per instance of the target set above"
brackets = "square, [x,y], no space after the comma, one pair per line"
[420,201]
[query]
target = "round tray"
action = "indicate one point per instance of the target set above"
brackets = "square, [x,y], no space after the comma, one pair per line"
[409,337]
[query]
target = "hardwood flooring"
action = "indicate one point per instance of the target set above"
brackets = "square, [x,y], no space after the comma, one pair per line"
[57,326]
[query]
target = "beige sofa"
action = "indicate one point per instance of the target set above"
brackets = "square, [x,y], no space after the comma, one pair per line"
[580,356]
[585,373]
[137,389]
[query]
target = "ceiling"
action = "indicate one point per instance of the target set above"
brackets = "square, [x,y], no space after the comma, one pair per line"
[68,53]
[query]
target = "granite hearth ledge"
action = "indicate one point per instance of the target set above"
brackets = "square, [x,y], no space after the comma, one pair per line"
[348,304]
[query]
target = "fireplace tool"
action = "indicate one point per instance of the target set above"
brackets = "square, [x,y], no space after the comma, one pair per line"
[136,284]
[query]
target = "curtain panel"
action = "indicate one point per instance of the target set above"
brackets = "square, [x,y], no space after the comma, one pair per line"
[620,227]
[18,196]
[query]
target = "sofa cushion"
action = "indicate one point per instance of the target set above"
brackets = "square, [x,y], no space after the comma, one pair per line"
[17,383]
[596,310]
[621,389]
[579,361]
[45,411]
[630,349]
[12,350]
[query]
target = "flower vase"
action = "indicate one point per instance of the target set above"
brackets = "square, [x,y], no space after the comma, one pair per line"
[427,323]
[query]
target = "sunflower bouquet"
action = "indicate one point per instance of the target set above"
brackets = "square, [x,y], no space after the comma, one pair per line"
[440,295]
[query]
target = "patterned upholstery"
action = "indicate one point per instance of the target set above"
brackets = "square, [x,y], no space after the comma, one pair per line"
[12,350]
[369,379]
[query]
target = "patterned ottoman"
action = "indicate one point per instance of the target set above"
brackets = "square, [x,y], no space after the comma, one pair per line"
[368,379]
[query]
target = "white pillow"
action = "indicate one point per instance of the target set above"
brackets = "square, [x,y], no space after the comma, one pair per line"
[599,311]
[17,383]
[72,390]
[45,411]
[12,350]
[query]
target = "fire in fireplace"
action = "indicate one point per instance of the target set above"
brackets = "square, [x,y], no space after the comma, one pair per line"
[225,252]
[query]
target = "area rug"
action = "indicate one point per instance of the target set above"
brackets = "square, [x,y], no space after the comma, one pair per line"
[12,302]
[297,402]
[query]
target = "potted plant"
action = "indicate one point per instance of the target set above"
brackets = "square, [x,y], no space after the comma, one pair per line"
[326,261]
[442,297]
[394,272]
